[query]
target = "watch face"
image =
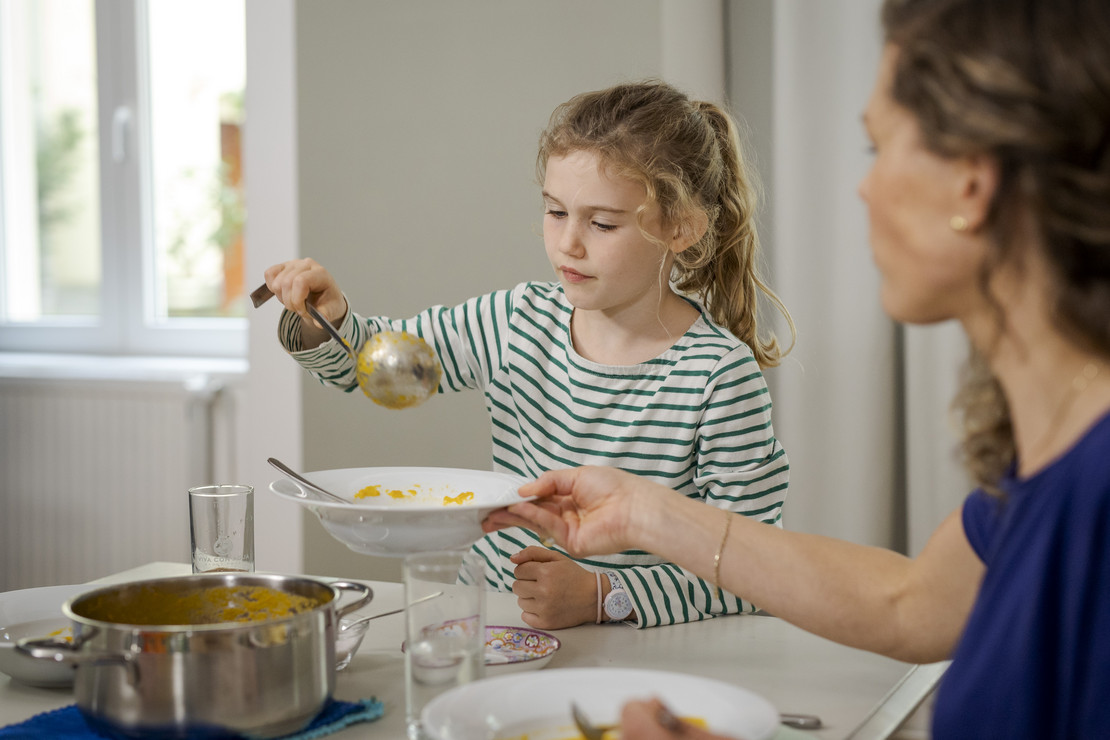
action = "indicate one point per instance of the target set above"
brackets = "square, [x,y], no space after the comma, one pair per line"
[618,605]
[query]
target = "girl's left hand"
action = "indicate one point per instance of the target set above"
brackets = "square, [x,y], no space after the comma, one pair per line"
[552,590]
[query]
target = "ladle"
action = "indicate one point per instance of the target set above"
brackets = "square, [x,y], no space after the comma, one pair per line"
[288,471]
[394,369]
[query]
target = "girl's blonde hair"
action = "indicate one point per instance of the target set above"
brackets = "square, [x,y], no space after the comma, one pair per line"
[688,157]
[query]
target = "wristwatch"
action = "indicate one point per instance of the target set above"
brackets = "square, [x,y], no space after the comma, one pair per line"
[617,603]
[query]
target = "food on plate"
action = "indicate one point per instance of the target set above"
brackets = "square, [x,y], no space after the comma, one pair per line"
[210,605]
[462,498]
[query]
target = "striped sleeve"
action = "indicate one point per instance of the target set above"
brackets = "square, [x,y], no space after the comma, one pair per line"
[740,467]
[467,339]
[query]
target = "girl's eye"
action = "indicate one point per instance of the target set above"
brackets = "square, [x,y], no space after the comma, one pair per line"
[605,227]
[556,214]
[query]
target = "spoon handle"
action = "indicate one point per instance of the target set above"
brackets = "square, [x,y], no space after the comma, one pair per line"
[360,620]
[305,481]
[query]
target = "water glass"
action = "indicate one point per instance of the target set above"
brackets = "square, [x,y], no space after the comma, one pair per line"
[444,634]
[221,522]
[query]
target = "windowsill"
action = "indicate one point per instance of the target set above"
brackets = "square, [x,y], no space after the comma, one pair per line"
[39,366]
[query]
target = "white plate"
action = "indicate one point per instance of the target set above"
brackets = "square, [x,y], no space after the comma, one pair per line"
[537,705]
[423,516]
[37,613]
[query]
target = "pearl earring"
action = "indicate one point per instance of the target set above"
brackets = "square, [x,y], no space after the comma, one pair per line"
[958,223]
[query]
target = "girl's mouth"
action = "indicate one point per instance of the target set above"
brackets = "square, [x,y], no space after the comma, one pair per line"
[573,276]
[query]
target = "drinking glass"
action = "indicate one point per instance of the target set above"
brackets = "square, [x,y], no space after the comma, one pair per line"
[444,634]
[221,522]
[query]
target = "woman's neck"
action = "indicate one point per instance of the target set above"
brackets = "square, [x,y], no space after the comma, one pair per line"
[1055,389]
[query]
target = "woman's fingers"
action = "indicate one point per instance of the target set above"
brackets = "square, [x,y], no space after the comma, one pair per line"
[653,720]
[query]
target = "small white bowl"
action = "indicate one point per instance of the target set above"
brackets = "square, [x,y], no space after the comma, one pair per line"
[440,508]
[347,640]
[35,613]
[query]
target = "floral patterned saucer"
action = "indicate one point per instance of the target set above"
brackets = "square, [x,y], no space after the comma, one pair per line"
[510,649]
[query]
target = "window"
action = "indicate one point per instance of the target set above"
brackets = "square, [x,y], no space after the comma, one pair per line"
[121,195]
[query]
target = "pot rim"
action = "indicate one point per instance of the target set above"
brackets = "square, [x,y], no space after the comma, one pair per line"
[224,579]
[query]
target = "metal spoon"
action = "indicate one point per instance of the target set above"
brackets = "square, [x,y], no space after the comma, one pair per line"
[344,626]
[288,471]
[394,369]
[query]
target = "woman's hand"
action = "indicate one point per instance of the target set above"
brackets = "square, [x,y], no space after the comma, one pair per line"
[588,510]
[295,282]
[651,720]
[552,590]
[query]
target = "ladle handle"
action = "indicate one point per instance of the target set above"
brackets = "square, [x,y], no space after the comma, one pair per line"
[331,330]
[261,294]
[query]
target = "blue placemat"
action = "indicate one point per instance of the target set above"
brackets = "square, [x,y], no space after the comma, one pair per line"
[68,723]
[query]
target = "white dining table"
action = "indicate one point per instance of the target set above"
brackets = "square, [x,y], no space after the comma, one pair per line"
[857,694]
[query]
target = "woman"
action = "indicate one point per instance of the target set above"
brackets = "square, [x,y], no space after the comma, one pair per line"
[989,203]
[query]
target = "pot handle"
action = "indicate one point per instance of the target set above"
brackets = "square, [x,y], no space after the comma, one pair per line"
[366,592]
[61,651]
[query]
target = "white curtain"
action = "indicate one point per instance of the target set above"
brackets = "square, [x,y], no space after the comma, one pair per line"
[861,404]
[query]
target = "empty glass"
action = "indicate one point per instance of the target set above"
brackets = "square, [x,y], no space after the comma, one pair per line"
[221,522]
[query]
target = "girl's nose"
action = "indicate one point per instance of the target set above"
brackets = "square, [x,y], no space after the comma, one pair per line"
[570,241]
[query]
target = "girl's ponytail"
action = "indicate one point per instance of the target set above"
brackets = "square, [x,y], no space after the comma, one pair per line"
[722,270]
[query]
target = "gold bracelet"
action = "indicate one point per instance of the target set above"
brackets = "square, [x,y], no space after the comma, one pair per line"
[717,557]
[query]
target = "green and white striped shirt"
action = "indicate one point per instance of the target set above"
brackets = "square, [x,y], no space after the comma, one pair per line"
[697,419]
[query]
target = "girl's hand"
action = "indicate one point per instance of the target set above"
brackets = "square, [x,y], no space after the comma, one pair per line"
[588,510]
[296,281]
[552,590]
[651,720]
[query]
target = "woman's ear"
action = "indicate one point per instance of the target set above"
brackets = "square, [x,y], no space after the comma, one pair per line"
[690,231]
[976,189]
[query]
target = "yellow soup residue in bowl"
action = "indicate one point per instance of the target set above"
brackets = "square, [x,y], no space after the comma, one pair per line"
[376,491]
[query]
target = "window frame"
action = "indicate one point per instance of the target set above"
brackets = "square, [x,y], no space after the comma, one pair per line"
[128,323]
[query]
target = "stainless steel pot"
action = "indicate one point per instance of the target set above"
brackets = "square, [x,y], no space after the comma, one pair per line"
[202,675]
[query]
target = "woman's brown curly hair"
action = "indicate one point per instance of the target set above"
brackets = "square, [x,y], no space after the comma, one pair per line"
[1027,82]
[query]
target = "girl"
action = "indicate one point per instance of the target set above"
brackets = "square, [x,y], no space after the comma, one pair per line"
[613,364]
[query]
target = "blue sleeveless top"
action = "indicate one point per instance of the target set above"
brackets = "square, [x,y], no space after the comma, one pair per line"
[1034,659]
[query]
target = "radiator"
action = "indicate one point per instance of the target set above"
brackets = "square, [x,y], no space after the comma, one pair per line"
[94,474]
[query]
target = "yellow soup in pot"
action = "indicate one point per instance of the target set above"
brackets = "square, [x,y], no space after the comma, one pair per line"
[210,605]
